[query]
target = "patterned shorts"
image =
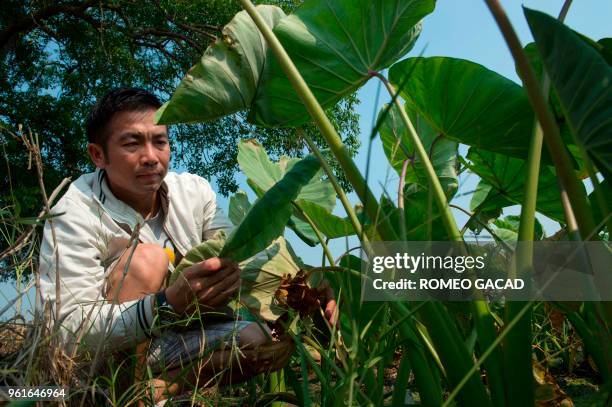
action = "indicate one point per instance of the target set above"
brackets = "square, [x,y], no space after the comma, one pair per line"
[176,349]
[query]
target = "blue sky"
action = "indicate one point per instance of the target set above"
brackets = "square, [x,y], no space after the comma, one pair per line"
[461,29]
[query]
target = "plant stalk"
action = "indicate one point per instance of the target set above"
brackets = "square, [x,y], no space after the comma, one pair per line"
[339,191]
[552,137]
[447,335]
[434,182]
[321,120]
[480,309]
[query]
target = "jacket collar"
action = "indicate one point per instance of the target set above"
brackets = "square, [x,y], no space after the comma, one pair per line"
[121,212]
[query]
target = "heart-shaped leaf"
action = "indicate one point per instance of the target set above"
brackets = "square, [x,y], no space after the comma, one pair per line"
[398,147]
[468,103]
[268,216]
[335,45]
[506,175]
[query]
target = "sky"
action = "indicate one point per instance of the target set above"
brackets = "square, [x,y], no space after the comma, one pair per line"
[457,28]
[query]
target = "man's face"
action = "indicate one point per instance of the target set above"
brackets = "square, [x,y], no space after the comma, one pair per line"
[137,154]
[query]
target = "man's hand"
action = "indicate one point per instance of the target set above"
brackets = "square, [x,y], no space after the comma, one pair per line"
[329,304]
[211,282]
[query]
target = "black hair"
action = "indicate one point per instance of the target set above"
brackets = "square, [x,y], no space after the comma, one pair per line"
[117,100]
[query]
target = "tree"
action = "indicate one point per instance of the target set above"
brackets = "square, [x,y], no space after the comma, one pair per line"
[58,57]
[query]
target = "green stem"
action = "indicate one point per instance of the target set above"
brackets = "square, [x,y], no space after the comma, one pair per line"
[517,348]
[321,120]
[401,382]
[558,153]
[480,309]
[438,192]
[276,384]
[456,355]
[326,251]
[507,329]
[339,191]
[427,379]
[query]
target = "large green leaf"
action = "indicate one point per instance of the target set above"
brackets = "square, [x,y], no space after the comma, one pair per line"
[261,275]
[583,82]
[330,225]
[262,173]
[506,175]
[226,77]
[507,229]
[335,45]
[601,215]
[468,103]
[257,166]
[398,147]
[268,216]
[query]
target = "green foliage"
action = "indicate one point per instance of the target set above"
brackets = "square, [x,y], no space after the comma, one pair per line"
[398,149]
[317,33]
[256,165]
[507,229]
[446,346]
[319,39]
[468,103]
[506,177]
[260,275]
[268,216]
[582,79]
[225,79]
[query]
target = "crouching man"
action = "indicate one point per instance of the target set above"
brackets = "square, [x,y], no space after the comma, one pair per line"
[110,244]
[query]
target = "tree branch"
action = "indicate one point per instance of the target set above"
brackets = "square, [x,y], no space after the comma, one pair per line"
[176,37]
[159,47]
[29,22]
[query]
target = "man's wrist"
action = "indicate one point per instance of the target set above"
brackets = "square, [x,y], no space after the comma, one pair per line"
[165,312]
[172,299]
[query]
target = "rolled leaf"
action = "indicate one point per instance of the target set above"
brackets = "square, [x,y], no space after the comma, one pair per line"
[225,79]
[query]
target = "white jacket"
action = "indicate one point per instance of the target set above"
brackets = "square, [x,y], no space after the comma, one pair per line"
[92,229]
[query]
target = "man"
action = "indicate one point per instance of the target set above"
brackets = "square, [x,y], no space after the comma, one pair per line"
[110,293]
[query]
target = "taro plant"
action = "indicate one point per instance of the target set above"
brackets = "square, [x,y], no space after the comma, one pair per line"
[284,69]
